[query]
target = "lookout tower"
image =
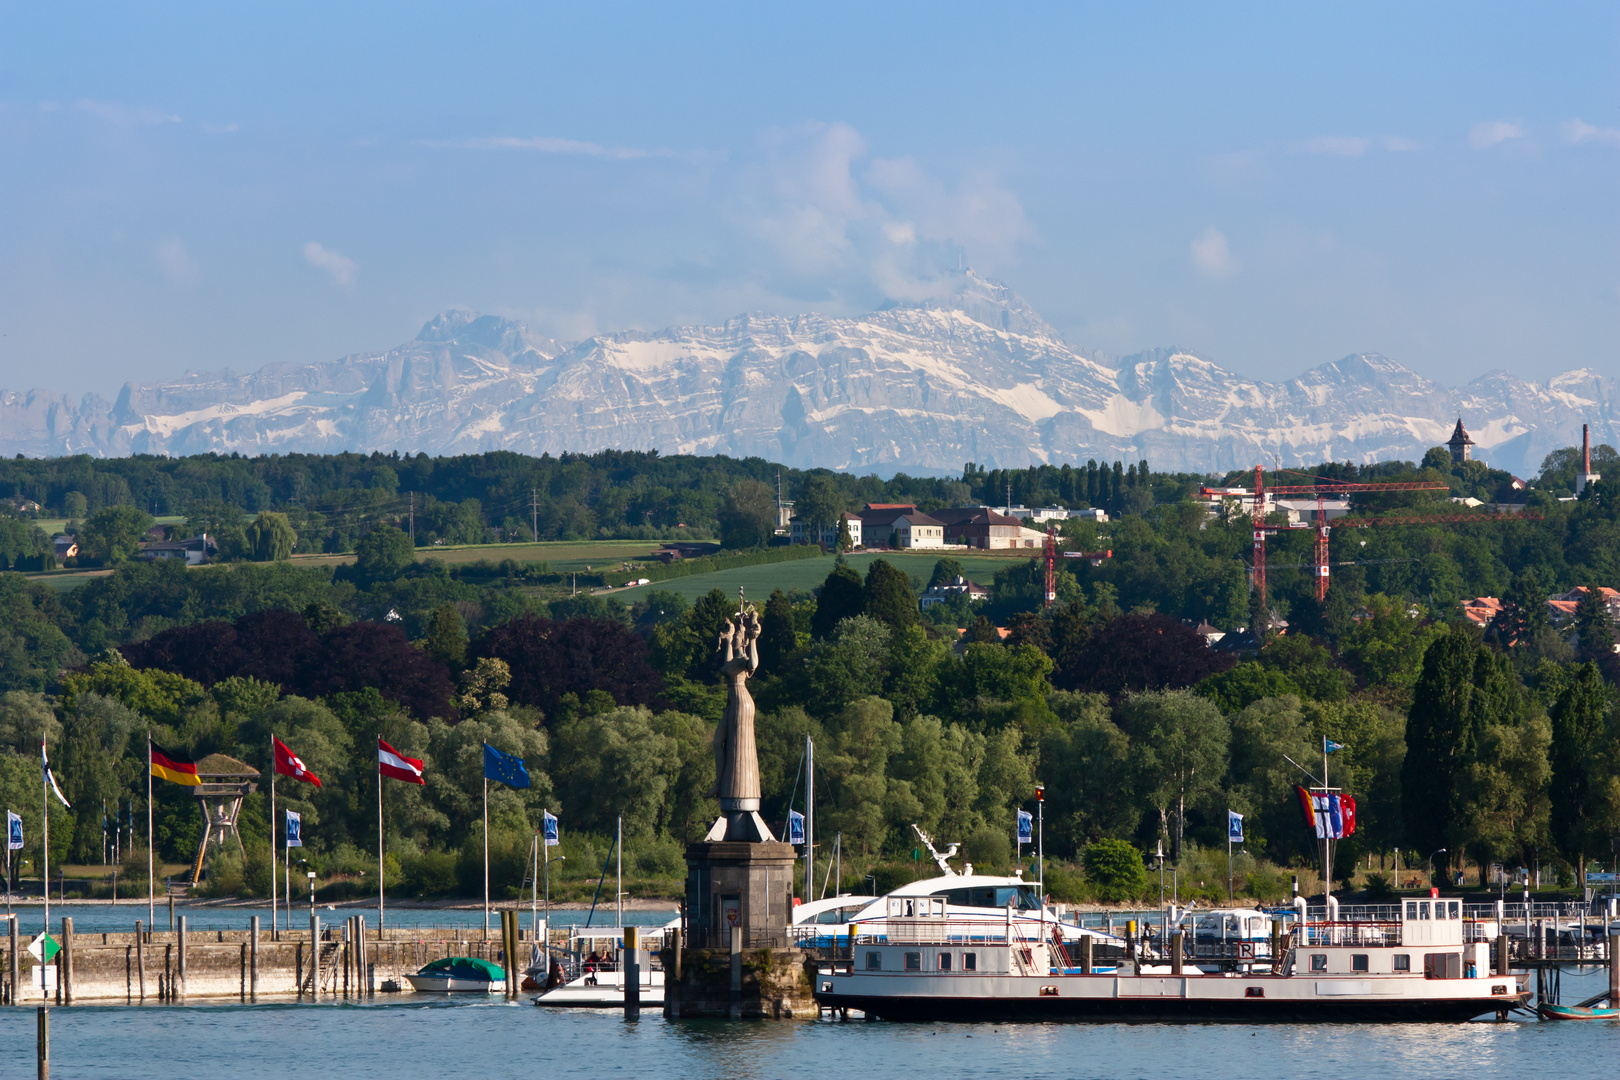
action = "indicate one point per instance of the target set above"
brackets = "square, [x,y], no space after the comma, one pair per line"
[1461,445]
[225,783]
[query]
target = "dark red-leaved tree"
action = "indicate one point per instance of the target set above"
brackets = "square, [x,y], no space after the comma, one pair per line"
[375,654]
[272,646]
[1141,652]
[549,659]
[279,647]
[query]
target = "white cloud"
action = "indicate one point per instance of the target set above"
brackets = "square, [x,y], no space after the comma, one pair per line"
[1491,132]
[1579,131]
[1338,145]
[1211,255]
[176,261]
[829,222]
[542,144]
[340,267]
[1395,144]
[124,115]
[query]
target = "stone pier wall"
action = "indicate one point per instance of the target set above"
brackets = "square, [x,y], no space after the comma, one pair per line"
[105,968]
[776,985]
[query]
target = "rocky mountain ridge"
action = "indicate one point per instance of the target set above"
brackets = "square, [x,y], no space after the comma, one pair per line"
[977,376]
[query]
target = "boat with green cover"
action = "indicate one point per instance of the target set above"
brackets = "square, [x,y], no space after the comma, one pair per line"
[459,975]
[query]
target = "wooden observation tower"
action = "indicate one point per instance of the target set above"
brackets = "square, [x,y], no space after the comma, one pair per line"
[225,783]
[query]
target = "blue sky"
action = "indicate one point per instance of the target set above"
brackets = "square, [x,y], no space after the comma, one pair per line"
[189,187]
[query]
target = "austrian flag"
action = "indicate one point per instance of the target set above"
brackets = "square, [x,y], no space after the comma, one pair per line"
[290,764]
[391,762]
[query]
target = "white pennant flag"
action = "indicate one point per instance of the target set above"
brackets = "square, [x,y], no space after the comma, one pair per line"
[50,777]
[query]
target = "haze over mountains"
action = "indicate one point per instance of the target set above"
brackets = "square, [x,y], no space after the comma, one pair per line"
[977,376]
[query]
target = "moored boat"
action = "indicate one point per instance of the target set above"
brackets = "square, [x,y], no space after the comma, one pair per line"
[459,975]
[1551,1011]
[1415,967]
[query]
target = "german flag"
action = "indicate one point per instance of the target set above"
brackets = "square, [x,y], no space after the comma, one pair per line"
[177,768]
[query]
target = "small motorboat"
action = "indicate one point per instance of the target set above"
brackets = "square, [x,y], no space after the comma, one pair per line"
[1550,1011]
[459,975]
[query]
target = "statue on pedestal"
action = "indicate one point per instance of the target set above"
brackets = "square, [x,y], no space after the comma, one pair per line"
[736,762]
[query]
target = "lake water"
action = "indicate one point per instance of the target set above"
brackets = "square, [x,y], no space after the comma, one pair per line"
[404,1038]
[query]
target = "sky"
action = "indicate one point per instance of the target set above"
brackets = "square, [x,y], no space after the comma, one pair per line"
[197,187]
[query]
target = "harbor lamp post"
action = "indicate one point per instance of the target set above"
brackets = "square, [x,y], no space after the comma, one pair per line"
[1432,854]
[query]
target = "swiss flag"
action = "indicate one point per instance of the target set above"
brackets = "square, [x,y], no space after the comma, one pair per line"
[391,762]
[290,764]
[1347,814]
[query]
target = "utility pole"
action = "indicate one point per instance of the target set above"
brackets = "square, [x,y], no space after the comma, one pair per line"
[534,513]
[413,518]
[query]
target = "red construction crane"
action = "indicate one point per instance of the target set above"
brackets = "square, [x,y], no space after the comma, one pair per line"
[1052,552]
[1323,489]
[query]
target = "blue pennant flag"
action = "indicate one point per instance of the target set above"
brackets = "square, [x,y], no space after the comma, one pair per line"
[1234,827]
[1328,746]
[507,769]
[14,834]
[549,828]
[295,829]
[795,827]
[1026,827]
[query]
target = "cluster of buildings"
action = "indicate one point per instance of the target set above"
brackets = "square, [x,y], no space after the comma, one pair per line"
[901,526]
[1483,610]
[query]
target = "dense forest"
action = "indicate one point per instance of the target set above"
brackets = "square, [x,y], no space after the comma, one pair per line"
[1499,744]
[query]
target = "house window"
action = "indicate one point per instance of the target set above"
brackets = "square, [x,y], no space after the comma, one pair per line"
[944,961]
[1403,962]
[874,961]
[970,961]
[1358,962]
[913,961]
[1318,961]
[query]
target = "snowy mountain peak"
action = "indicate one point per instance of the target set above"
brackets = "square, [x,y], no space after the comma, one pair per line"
[973,374]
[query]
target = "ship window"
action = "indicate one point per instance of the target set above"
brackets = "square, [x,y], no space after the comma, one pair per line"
[1456,909]
[1358,962]
[1423,910]
[970,961]
[1403,962]
[874,961]
[944,961]
[1318,961]
[1411,909]
[913,961]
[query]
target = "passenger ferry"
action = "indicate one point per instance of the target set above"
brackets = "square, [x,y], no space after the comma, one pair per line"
[931,966]
[955,896]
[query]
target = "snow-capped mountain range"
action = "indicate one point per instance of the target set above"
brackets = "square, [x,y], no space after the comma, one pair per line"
[977,376]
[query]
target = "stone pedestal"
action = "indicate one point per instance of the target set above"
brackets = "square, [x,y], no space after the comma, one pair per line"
[739,886]
[738,958]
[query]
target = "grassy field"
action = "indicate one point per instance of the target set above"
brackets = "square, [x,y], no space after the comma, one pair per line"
[758,581]
[563,555]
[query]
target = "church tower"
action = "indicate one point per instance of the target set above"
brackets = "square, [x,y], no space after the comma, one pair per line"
[1461,445]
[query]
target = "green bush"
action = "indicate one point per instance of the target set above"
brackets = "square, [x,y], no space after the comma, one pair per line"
[988,850]
[1116,870]
[432,873]
[1064,884]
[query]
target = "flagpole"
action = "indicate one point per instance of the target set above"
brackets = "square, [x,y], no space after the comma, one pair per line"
[379,846]
[1327,840]
[273,882]
[486,858]
[620,845]
[151,880]
[45,848]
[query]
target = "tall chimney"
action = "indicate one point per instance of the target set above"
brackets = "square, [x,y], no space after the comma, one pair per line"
[1586,449]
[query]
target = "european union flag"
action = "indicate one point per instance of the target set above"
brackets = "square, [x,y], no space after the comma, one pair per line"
[507,769]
